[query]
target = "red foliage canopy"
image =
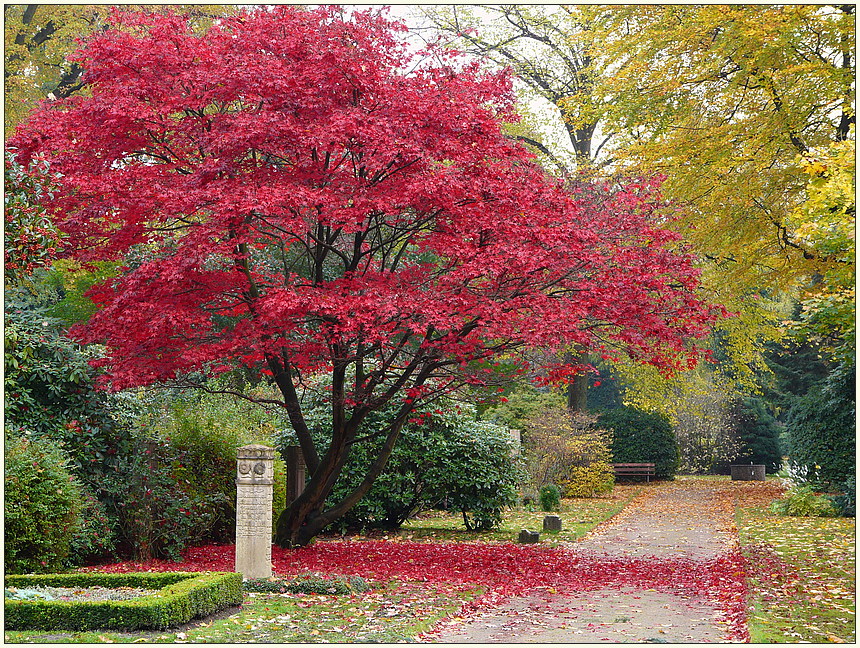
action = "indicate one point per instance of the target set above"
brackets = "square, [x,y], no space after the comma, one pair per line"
[294,191]
[286,190]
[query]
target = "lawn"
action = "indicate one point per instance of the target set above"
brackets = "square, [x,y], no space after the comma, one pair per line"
[801,576]
[579,516]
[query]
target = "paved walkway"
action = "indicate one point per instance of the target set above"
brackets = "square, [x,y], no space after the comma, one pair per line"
[669,520]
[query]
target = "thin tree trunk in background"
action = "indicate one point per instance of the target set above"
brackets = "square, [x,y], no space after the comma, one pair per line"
[577,390]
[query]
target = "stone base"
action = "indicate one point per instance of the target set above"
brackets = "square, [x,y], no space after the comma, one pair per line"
[254,556]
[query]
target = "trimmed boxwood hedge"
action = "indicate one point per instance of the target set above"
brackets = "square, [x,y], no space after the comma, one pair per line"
[182,596]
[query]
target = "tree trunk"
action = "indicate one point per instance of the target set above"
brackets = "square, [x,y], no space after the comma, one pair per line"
[577,390]
[577,393]
[299,523]
[307,516]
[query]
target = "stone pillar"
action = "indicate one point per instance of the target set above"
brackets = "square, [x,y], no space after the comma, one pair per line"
[295,473]
[255,478]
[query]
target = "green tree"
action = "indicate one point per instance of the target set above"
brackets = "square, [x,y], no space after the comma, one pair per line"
[639,436]
[758,433]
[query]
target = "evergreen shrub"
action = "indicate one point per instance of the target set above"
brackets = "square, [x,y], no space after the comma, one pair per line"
[642,437]
[95,539]
[43,503]
[758,434]
[845,501]
[550,498]
[442,458]
[821,429]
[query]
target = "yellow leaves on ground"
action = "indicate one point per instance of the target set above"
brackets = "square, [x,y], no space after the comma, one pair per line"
[802,576]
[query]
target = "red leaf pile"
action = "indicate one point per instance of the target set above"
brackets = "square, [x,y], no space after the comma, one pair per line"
[506,569]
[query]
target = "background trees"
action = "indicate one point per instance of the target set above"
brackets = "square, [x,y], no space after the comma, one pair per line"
[747,110]
[39,39]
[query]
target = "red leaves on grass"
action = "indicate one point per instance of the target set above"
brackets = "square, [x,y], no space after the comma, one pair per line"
[506,569]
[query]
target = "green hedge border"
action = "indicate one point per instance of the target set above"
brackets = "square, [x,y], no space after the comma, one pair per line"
[181,597]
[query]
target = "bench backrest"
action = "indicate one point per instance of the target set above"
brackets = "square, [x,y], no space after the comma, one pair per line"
[634,468]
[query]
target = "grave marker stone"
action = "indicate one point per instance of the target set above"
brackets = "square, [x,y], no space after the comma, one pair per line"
[528,537]
[552,523]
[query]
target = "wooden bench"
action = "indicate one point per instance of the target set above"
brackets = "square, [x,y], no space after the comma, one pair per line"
[634,469]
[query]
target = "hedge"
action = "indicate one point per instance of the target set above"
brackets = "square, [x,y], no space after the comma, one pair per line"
[182,596]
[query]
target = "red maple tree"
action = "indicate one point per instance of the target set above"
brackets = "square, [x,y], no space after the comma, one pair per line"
[294,191]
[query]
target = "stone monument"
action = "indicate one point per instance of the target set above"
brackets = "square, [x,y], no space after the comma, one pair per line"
[295,473]
[255,477]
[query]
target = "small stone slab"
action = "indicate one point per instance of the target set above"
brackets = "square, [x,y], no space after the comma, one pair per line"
[528,537]
[552,523]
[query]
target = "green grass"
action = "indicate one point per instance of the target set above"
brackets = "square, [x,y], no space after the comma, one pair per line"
[805,593]
[579,516]
[393,613]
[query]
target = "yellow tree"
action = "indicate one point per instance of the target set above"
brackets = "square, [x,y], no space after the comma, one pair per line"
[730,104]
[734,105]
[723,100]
[825,222]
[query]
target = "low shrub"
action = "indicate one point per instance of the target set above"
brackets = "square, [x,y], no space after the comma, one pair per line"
[95,539]
[565,448]
[442,458]
[801,501]
[596,478]
[309,584]
[43,503]
[160,509]
[181,597]
[550,498]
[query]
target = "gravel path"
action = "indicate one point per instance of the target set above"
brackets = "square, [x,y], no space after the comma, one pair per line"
[668,520]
